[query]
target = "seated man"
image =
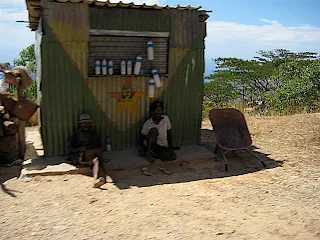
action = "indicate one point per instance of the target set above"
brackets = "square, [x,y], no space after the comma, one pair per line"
[156,136]
[86,149]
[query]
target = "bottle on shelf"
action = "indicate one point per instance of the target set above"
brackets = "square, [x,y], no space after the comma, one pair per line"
[108,144]
[97,68]
[129,67]
[104,67]
[123,67]
[110,67]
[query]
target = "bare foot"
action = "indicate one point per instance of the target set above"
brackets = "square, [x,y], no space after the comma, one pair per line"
[146,172]
[165,171]
[99,182]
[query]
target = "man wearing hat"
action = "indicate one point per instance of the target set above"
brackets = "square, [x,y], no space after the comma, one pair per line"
[86,149]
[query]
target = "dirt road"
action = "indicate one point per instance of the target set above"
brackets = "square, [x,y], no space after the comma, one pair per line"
[195,202]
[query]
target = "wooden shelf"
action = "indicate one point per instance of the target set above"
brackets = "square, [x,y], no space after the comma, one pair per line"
[115,75]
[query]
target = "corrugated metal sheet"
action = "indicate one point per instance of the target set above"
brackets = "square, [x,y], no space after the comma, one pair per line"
[127,48]
[63,95]
[34,7]
[64,55]
[67,92]
[124,128]
[183,98]
[130,19]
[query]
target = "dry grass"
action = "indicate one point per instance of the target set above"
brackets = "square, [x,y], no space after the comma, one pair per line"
[295,137]
[197,201]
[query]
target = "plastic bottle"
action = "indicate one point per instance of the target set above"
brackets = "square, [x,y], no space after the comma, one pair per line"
[104,67]
[151,88]
[156,77]
[97,68]
[110,67]
[123,67]
[137,65]
[108,144]
[150,50]
[129,67]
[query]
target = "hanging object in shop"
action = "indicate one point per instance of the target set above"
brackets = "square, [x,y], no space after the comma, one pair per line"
[104,67]
[110,67]
[137,65]
[151,88]
[97,68]
[150,50]
[156,77]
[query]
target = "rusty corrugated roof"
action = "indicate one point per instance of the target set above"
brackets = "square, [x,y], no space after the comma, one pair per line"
[34,8]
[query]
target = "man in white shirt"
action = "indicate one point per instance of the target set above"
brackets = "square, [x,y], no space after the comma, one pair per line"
[156,136]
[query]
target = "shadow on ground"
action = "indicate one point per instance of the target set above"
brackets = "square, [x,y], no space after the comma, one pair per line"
[7,173]
[240,162]
[14,171]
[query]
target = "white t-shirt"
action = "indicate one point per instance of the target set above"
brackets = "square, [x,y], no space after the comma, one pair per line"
[163,126]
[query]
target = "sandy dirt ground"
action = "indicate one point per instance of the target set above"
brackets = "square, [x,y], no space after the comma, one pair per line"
[197,201]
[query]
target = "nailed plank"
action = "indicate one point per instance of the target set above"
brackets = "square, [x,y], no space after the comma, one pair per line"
[128,33]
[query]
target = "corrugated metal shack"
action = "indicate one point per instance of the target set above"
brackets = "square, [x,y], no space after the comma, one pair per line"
[72,35]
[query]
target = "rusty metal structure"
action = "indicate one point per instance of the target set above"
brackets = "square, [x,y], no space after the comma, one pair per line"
[73,34]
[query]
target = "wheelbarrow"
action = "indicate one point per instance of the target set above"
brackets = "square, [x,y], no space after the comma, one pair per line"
[231,132]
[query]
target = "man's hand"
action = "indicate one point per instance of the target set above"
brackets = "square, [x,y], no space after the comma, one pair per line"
[80,160]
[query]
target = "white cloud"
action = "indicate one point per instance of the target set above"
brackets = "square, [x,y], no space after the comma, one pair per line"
[12,15]
[275,32]
[14,36]
[268,21]
[13,2]
[230,39]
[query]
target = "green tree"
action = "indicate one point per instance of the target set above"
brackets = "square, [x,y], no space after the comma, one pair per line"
[27,59]
[257,79]
[219,91]
[4,66]
[300,86]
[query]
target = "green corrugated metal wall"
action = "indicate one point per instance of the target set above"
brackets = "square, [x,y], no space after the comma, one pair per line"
[66,92]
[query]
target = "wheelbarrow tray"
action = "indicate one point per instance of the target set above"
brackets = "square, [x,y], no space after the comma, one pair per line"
[231,132]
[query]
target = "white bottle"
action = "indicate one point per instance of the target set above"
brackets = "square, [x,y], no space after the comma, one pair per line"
[156,77]
[108,144]
[151,88]
[104,67]
[110,67]
[129,67]
[137,65]
[150,50]
[97,68]
[123,67]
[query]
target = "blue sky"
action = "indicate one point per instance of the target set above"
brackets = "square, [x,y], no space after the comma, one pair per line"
[236,28]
